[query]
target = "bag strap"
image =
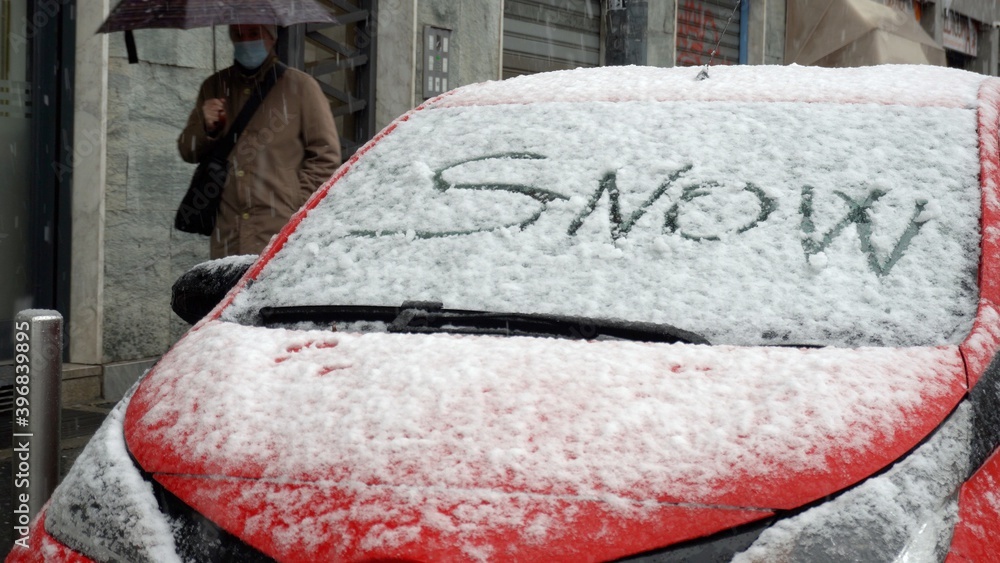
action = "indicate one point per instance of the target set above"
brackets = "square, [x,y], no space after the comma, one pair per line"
[228,141]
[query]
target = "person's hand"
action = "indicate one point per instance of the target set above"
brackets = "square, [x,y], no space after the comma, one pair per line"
[214,111]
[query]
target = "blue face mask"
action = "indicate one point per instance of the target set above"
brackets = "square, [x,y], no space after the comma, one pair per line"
[250,54]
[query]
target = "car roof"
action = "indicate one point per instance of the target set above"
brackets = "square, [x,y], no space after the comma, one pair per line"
[911,85]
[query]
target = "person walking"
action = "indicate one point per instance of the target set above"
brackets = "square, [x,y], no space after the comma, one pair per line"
[288,149]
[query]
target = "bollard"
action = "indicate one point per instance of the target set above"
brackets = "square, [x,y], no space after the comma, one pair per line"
[37,411]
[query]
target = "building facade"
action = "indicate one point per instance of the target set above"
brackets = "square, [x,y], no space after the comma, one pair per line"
[87,207]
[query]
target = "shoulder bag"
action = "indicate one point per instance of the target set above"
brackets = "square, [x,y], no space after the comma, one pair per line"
[198,208]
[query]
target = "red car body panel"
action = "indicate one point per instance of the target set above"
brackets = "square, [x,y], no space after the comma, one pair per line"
[783,488]
[211,481]
[976,536]
[43,548]
[596,534]
[984,340]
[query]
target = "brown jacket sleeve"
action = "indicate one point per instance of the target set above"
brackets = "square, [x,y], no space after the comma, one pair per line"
[193,142]
[320,139]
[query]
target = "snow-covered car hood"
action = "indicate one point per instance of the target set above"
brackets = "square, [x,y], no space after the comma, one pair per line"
[445,446]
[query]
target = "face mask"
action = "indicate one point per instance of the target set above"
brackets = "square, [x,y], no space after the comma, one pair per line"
[250,54]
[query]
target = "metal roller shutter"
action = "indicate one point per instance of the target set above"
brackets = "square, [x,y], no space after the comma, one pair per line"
[700,25]
[543,35]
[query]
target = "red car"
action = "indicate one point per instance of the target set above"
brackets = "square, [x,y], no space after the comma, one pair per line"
[595,315]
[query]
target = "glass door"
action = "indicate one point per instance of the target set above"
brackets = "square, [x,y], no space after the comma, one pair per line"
[16,163]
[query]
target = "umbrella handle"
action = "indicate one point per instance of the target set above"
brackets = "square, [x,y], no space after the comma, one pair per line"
[133,55]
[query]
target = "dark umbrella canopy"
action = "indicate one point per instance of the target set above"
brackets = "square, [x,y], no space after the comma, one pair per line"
[187,14]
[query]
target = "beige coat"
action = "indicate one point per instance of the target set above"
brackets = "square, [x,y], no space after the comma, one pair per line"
[289,149]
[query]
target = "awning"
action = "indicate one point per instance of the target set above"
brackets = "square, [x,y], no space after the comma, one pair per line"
[848,33]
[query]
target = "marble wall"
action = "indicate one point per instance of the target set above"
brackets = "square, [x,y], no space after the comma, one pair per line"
[476,31]
[395,66]
[148,104]
[475,56]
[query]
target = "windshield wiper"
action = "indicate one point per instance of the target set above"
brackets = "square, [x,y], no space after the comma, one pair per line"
[430,316]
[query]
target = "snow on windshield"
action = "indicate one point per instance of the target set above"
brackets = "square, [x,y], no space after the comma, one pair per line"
[749,223]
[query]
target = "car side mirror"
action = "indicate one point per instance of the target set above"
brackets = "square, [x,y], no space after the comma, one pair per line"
[197,291]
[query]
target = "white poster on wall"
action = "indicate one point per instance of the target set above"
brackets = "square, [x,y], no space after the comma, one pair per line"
[959,34]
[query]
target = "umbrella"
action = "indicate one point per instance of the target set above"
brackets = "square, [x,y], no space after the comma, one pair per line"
[186,14]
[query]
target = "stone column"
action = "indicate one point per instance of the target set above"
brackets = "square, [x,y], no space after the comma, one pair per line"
[396,60]
[757,29]
[90,123]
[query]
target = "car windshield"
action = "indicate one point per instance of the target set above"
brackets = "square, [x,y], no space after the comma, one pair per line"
[747,223]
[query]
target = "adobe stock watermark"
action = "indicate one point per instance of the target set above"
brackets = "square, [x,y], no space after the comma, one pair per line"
[389,13]
[20,462]
[37,340]
[87,146]
[46,12]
